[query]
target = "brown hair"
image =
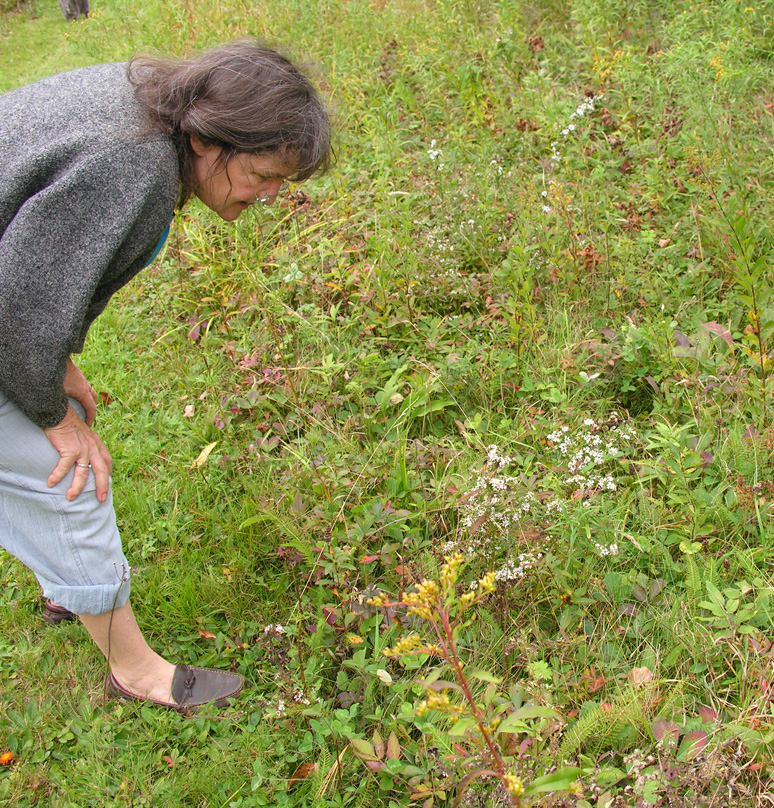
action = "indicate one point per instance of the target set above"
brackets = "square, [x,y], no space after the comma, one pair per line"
[242,97]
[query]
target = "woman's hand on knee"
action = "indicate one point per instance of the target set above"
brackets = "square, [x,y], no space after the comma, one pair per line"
[79,447]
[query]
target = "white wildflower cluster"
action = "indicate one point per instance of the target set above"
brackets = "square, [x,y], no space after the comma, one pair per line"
[515,570]
[436,155]
[586,107]
[589,449]
[495,507]
[444,239]
[606,549]
[497,166]
[494,457]
[281,707]
[299,698]
[275,629]
[593,482]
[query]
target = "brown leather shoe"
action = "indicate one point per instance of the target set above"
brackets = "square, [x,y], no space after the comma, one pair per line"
[54,614]
[191,687]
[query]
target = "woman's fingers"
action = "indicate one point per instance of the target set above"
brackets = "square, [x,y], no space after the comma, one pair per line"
[82,450]
[102,468]
[80,478]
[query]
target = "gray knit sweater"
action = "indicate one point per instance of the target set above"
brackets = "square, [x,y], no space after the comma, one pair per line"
[86,191]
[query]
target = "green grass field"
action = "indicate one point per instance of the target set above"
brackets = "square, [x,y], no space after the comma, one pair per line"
[525,324]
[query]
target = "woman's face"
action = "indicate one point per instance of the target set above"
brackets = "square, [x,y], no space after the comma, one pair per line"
[230,187]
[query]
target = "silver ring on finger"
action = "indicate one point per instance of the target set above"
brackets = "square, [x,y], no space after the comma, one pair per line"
[83,465]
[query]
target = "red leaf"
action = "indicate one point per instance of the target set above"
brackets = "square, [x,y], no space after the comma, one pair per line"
[105,398]
[369,559]
[331,616]
[707,714]
[597,684]
[207,635]
[169,761]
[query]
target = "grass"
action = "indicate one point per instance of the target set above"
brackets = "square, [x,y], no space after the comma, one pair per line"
[547,229]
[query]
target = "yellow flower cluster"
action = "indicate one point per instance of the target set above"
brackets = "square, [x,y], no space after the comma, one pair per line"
[405,645]
[439,701]
[513,784]
[487,583]
[379,601]
[450,570]
[467,598]
[425,596]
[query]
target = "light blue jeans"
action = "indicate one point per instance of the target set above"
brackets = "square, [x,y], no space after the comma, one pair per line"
[73,548]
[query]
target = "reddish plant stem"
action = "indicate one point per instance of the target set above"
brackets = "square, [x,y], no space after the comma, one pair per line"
[450,652]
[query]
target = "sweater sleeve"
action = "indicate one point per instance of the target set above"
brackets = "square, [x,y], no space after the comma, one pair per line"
[75,241]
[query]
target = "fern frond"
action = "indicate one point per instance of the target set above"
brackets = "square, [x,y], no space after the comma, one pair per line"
[597,730]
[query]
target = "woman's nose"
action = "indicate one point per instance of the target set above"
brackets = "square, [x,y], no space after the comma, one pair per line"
[270,190]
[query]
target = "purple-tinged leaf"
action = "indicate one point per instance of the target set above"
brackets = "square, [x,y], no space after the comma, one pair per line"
[639,593]
[609,333]
[393,747]
[652,382]
[661,728]
[707,714]
[378,744]
[681,340]
[439,685]
[707,457]
[720,331]
[749,433]
[374,765]
[362,749]
[693,745]
[656,587]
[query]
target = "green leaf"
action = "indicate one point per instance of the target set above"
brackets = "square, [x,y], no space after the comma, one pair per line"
[515,721]
[558,781]
[705,604]
[363,749]
[485,676]
[461,727]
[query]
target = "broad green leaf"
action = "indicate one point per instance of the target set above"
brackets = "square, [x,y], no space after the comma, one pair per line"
[485,676]
[515,721]
[461,727]
[363,749]
[558,781]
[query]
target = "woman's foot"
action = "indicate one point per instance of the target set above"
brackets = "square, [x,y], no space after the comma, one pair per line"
[54,614]
[191,688]
[153,684]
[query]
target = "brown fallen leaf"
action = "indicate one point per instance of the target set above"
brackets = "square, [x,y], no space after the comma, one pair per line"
[301,773]
[640,676]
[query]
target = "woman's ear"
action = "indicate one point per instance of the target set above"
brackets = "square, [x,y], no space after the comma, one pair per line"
[197,145]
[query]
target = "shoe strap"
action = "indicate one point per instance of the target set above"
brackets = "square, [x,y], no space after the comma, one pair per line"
[183,684]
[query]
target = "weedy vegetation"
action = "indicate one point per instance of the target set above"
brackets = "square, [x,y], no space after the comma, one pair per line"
[461,455]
